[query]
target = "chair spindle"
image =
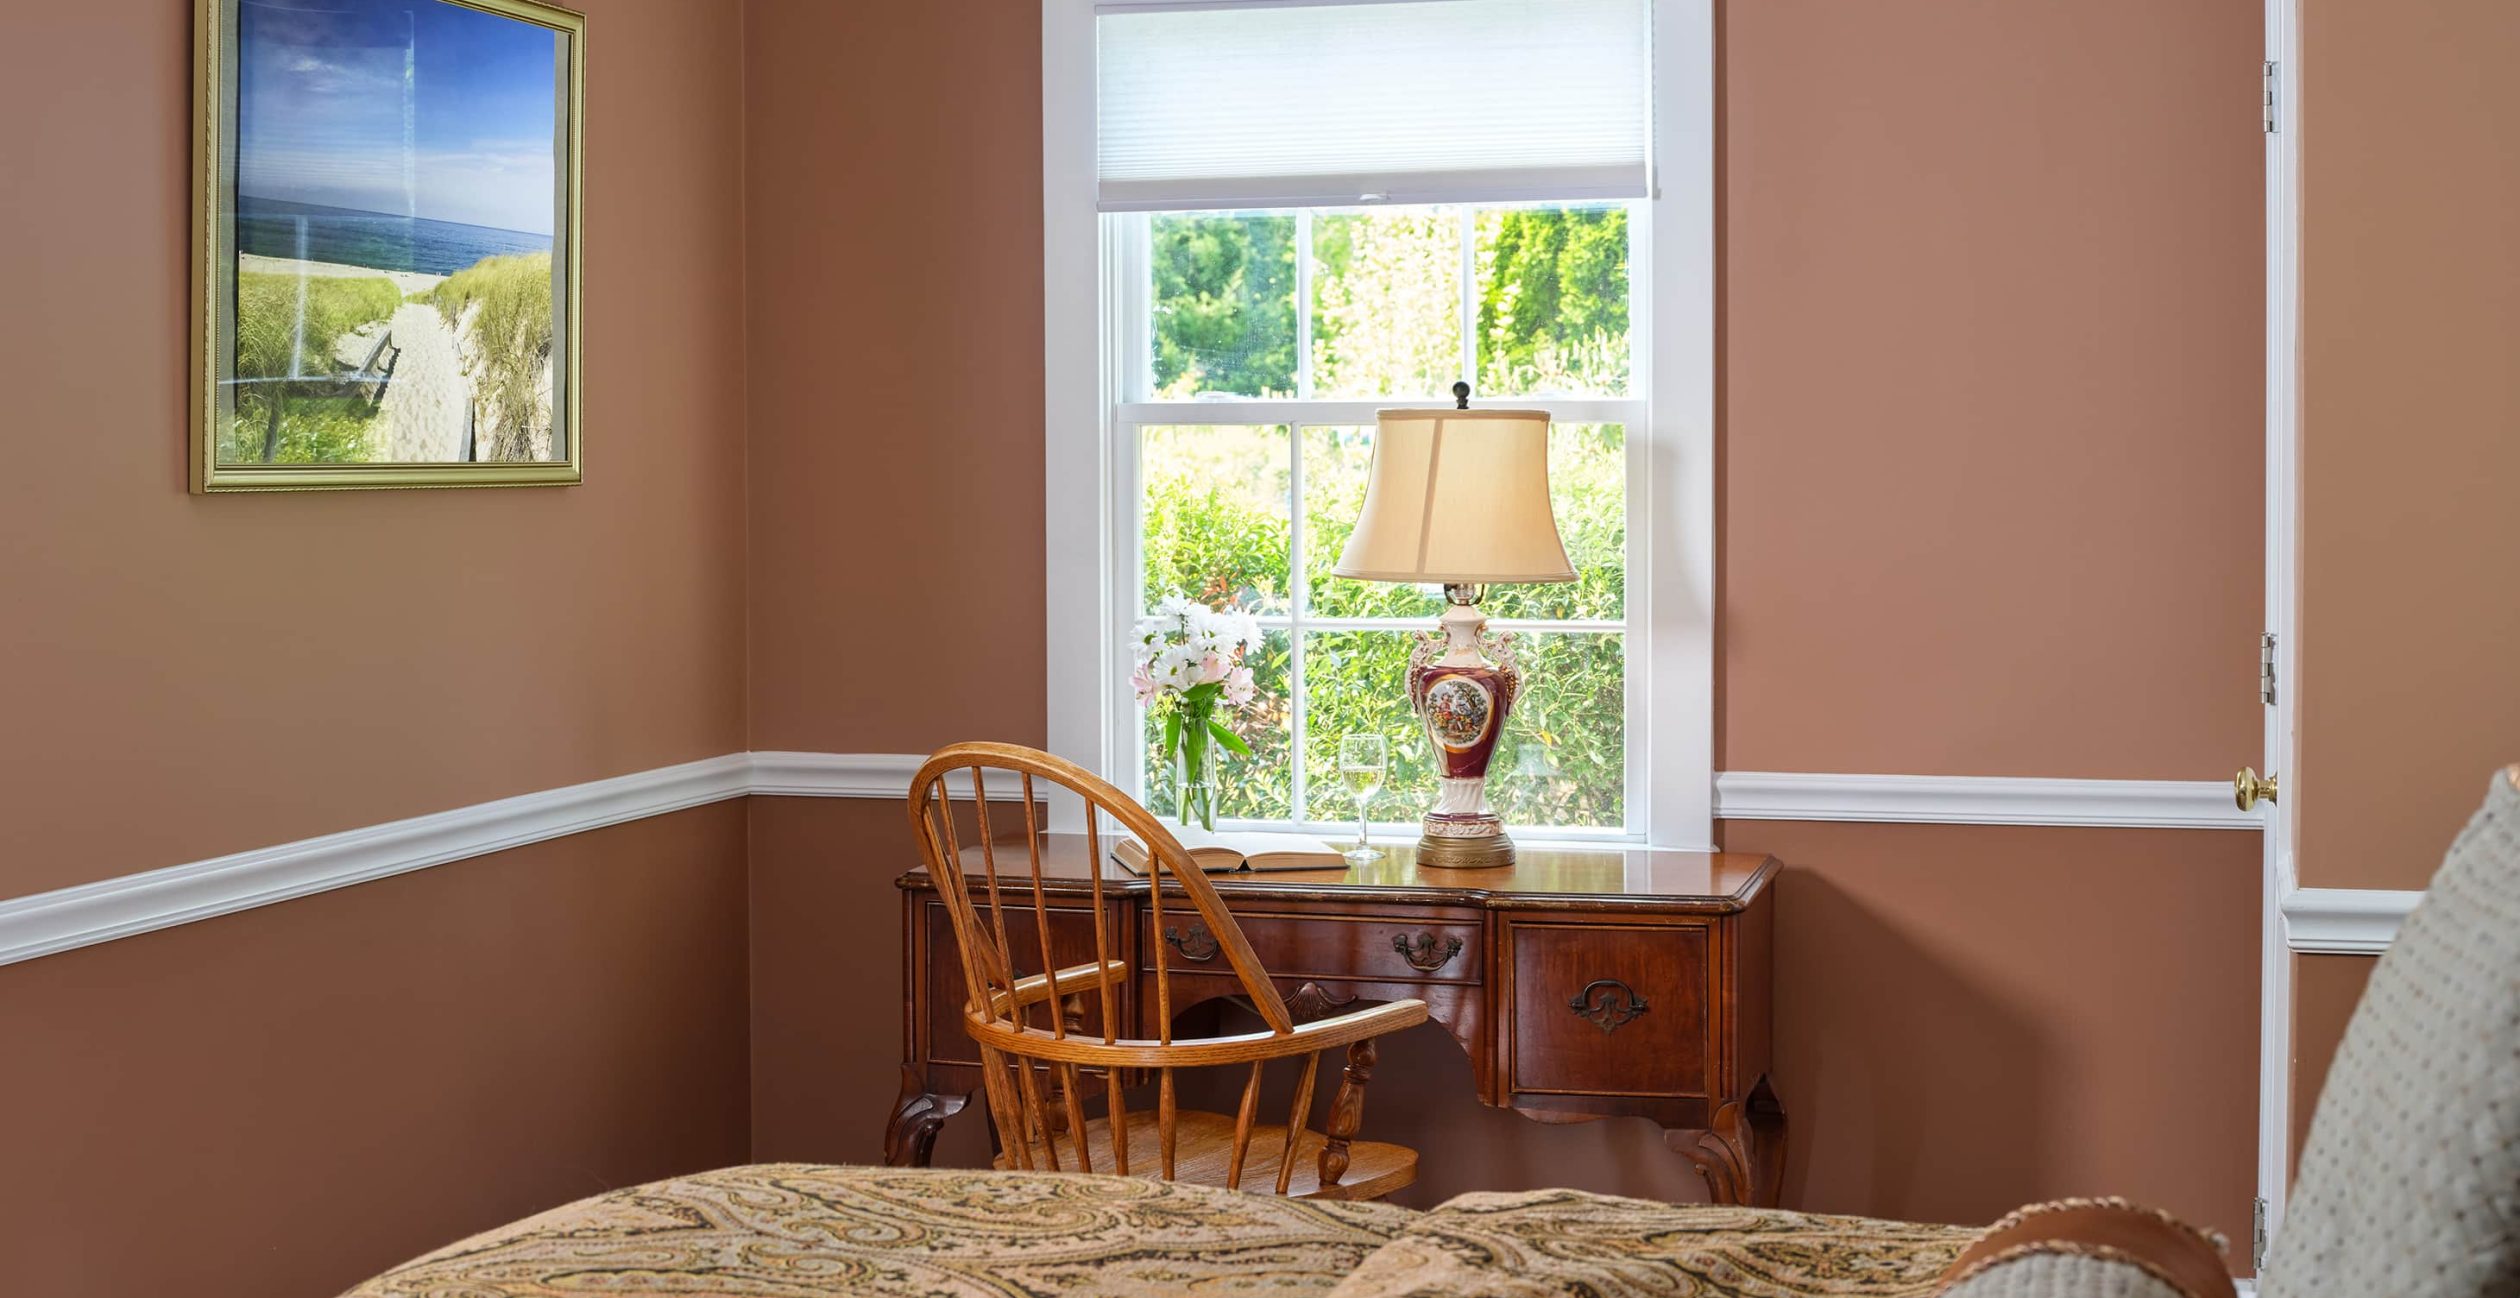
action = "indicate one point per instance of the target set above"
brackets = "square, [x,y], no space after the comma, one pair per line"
[1242,1127]
[1296,1119]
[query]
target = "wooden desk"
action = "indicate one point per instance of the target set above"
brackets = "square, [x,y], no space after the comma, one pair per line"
[1582,984]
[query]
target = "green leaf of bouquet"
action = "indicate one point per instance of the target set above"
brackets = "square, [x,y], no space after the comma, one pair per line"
[1172,734]
[1233,742]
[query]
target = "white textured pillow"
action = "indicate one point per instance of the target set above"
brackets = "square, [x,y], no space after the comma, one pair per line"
[2410,1183]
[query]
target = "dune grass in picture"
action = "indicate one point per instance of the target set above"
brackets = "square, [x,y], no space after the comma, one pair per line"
[389,239]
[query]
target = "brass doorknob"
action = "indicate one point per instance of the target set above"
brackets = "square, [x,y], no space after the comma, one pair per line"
[2248,788]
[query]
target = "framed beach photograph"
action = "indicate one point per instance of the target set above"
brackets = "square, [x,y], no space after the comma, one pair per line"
[388,218]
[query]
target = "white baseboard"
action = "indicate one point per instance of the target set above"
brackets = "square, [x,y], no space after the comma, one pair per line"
[2345,921]
[64,920]
[1979,800]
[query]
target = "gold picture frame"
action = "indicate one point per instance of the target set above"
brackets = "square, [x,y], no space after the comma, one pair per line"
[388,284]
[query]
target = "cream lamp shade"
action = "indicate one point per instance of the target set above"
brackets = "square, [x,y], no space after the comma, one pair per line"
[1459,497]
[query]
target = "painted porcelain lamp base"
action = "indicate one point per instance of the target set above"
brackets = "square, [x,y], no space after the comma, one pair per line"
[1462,696]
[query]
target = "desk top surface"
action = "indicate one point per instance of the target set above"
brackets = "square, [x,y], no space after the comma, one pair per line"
[1640,877]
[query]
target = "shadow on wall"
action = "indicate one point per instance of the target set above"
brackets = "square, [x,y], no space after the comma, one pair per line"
[1423,1096]
[1914,1092]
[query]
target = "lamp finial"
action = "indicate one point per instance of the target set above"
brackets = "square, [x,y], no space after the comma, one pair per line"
[1461,395]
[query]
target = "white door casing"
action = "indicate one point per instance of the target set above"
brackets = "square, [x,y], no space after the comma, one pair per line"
[2283,550]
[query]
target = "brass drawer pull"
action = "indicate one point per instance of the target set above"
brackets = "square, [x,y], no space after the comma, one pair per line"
[1607,1004]
[1419,951]
[1194,943]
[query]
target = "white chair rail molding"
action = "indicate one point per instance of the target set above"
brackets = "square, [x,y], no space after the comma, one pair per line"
[2318,919]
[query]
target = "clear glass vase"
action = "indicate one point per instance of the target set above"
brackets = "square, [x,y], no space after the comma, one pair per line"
[1194,778]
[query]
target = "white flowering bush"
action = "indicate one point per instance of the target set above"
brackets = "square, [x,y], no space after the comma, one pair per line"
[1189,664]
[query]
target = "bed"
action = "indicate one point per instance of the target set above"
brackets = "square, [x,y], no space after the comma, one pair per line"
[815,1231]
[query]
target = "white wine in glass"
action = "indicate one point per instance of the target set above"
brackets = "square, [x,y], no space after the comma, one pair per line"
[1363,762]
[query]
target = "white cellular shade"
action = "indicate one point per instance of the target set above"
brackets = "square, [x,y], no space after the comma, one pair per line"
[1399,101]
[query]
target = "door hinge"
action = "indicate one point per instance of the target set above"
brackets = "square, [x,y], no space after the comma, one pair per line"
[2266,668]
[2269,104]
[2257,1237]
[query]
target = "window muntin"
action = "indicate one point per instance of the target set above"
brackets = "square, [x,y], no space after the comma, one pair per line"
[1255,371]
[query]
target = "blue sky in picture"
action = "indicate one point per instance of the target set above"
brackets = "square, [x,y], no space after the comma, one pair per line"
[407,107]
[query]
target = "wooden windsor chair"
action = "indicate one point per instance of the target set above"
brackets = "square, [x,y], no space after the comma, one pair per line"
[1039,1057]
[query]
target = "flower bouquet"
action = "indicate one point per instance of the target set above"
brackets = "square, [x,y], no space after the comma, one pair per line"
[1190,660]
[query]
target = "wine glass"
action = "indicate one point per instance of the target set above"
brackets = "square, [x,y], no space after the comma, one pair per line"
[1363,761]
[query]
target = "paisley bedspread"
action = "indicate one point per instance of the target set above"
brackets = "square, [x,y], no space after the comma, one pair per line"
[811,1231]
[1571,1244]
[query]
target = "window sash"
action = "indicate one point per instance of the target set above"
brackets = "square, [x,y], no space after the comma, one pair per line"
[1088,490]
[1129,373]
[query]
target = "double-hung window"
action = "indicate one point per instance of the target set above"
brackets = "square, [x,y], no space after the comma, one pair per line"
[1265,220]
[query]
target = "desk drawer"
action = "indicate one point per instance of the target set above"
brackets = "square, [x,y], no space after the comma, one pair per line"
[1607,1010]
[1322,946]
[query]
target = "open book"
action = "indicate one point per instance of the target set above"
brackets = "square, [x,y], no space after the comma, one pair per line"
[1249,850]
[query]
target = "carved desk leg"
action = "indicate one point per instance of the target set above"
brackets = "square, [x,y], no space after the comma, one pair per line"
[1347,1110]
[910,1138]
[1742,1156]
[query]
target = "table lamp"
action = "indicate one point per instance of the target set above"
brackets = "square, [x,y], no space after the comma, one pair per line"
[1460,497]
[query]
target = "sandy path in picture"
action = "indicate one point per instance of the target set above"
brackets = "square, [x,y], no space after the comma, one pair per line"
[422,420]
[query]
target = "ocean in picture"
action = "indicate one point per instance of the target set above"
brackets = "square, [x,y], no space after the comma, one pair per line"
[271,227]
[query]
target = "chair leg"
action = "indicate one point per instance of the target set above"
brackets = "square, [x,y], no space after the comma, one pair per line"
[1005,1111]
[1347,1110]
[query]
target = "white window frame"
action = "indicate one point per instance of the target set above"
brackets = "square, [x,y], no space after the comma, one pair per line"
[1090,463]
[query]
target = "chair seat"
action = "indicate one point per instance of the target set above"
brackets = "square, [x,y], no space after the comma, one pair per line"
[1204,1149]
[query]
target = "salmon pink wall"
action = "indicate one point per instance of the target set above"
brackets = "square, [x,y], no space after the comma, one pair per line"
[1993,314]
[282,1101]
[1973,1017]
[2326,988]
[2410,315]
[249,670]
[2410,318]
[893,231]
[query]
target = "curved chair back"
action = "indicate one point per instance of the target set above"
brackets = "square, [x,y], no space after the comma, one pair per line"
[1035,1046]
